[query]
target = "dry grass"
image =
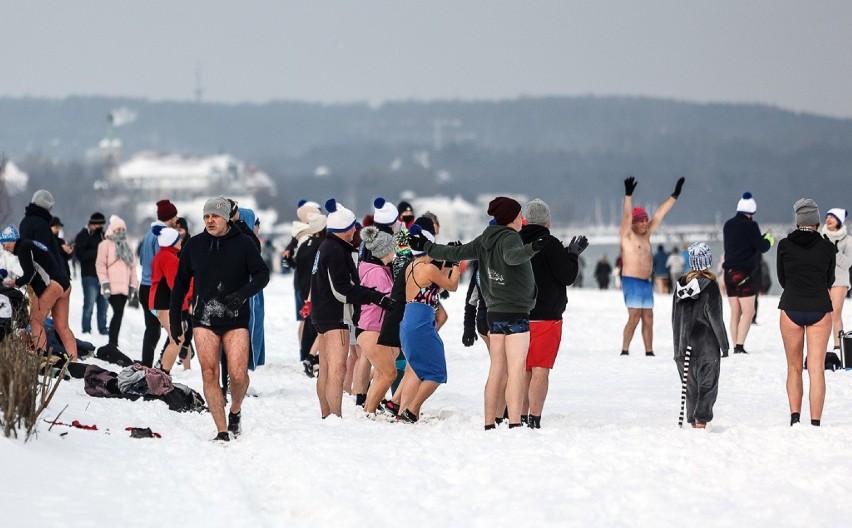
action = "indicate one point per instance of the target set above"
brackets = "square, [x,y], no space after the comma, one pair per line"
[26,388]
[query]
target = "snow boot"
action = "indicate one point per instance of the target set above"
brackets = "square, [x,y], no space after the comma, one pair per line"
[234,423]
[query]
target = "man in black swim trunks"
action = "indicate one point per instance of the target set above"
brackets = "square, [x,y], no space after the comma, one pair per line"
[227,270]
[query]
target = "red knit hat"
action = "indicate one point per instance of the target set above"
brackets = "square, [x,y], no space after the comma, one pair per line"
[504,210]
[639,215]
[166,210]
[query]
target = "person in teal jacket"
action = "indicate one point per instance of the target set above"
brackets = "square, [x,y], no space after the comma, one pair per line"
[508,287]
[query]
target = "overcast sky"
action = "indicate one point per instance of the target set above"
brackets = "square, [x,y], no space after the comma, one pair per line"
[792,54]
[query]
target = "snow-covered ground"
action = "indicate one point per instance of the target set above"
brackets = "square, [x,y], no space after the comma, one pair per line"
[609,453]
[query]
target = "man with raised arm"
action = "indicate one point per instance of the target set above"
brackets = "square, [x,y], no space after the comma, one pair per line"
[635,233]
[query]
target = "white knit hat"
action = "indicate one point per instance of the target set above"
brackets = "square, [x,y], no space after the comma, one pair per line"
[385,212]
[168,237]
[339,218]
[304,208]
[747,204]
[839,214]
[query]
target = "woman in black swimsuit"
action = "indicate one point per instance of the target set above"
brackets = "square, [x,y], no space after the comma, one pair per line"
[806,272]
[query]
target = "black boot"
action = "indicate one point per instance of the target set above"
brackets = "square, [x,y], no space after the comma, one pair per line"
[234,423]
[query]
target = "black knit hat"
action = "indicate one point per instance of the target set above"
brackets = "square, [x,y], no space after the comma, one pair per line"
[97,218]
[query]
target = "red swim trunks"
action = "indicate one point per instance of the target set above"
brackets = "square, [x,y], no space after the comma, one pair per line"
[545,337]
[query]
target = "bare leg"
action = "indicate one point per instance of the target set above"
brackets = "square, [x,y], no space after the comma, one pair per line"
[747,307]
[648,329]
[383,360]
[497,374]
[538,389]
[60,323]
[838,296]
[361,374]
[39,309]
[793,337]
[517,346]
[351,360]
[525,408]
[334,346]
[208,345]
[237,349]
[172,347]
[426,389]
[633,317]
[736,314]
[817,339]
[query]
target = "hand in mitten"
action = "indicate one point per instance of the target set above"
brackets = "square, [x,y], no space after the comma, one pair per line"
[538,244]
[630,184]
[469,336]
[133,298]
[305,312]
[578,244]
[678,187]
[387,303]
[105,291]
[416,239]
[176,328]
[771,239]
[233,301]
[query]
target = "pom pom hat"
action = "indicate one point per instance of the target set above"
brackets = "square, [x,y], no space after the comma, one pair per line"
[166,210]
[385,212]
[747,204]
[340,218]
[378,242]
[168,237]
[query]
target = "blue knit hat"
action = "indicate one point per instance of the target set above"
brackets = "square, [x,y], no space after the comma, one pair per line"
[10,234]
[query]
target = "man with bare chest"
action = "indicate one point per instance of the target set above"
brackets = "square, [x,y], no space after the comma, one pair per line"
[636,280]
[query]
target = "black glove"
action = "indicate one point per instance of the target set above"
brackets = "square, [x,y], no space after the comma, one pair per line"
[233,301]
[455,243]
[176,328]
[416,239]
[578,244]
[469,336]
[387,304]
[538,244]
[630,184]
[678,187]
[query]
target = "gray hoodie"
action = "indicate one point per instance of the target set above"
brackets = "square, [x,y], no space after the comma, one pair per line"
[697,317]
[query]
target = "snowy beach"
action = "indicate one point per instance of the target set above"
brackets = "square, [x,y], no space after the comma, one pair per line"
[609,452]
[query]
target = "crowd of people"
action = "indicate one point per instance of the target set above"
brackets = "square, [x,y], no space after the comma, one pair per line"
[368,296]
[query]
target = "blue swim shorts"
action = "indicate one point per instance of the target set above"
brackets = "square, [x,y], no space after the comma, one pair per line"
[638,293]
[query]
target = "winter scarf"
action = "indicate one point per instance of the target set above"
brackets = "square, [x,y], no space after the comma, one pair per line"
[122,248]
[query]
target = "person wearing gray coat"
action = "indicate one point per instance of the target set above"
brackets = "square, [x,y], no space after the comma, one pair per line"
[697,323]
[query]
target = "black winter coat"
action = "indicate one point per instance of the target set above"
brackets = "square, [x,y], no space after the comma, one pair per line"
[806,271]
[335,285]
[697,318]
[743,243]
[86,250]
[554,269]
[39,266]
[35,226]
[304,264]
[220,266]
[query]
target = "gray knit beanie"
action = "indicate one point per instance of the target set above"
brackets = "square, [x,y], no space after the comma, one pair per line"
[219,206]
[43,198]
[378,242]
[807,212]
[537,212]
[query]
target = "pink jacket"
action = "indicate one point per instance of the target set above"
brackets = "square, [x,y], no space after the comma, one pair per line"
[380,278]
[115,271]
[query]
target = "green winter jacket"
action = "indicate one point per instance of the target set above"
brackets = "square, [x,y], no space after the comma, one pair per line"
[506,275]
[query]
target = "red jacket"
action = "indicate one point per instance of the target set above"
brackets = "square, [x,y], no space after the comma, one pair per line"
[164,267]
